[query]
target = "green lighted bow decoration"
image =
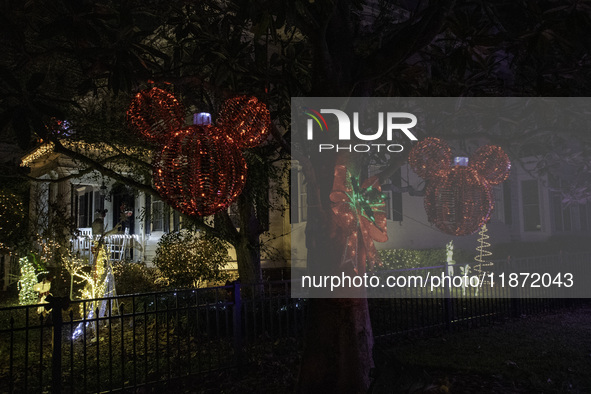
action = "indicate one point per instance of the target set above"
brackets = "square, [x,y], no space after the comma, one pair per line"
[359,209]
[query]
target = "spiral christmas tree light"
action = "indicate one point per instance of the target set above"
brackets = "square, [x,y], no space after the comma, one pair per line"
[482,250]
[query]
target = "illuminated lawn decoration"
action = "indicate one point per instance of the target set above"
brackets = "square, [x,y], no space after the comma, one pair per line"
[449,257]
[60,128]
[459,198]
[430,158]
[246,120]
[99,284]
[43,289]
[27,282]
[482,254]
[198,169]
[464,270]
[359,210]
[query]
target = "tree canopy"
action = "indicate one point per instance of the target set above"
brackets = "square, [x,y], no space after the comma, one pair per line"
[80,61]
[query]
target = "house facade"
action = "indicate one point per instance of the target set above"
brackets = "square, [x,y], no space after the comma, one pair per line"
[527,208]
[133,221]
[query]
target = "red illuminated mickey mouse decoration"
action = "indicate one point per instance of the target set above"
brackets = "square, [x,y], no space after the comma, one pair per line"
[154,113]
[458,198]
[198,169]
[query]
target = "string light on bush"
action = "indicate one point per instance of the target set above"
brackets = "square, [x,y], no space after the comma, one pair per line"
[199,171]
[458,198]
[245,119]
[155,113]
[12,214]
[189,259]
[27,281]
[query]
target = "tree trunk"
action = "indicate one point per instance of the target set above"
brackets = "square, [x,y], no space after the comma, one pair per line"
[248,249]
[338,341]
[338,350]
[249,262]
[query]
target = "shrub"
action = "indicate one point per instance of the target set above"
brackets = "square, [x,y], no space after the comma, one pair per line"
[186,258]
[132,277]
[407,258]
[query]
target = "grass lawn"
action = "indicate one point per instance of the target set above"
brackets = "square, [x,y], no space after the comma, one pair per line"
[548,353]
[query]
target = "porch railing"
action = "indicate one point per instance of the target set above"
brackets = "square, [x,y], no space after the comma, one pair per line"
[119,246]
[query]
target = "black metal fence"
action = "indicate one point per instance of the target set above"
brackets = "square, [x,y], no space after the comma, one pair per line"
[142,340]
[138,340]
[419,310]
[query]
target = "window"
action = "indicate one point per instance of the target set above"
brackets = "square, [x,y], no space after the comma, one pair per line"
[84,210]
[87,203]
[388,202]
[176,221]
[303,199]
[157,215]
[299,196]
[583,217]
[123,204]
[568,218]
[531,205]
[392,193]
[507,205]
[234,214]
[498,212]
[557,212]
[396,197]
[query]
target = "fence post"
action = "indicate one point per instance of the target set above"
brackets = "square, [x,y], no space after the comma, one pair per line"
[566,260]
[447,296]
[56,305]
[237,326]
[513,292]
